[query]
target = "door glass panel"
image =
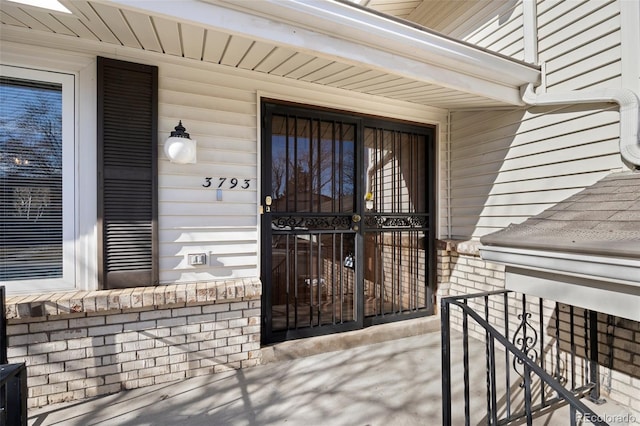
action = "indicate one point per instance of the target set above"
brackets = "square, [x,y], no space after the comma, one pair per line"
[313,192]
[313,165]
[396,222]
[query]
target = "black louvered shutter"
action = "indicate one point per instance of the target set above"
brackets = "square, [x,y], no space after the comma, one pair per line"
[127,173]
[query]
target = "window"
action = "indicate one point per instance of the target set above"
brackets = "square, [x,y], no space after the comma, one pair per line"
[36,180]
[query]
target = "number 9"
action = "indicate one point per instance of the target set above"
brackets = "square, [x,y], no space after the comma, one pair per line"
[234,183]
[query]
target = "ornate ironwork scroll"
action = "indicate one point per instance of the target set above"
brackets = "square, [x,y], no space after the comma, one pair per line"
[396,221]
[525,338]
[292,223]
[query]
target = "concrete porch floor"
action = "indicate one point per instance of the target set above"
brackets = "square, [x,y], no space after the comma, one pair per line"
[385,375]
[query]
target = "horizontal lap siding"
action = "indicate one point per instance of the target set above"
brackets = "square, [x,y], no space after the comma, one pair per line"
[519,169]
[219,110]
[579,42]
[501,33]
[218,107]
[443,190]
[507,166]
[220,114]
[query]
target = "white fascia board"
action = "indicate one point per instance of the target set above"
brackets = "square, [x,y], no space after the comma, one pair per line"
[602,268]
[351,23]
[336,31]
[600,296]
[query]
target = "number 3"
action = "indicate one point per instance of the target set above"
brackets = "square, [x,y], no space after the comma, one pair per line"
[231,182]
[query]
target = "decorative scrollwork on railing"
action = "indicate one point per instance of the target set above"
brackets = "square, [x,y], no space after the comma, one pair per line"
[291,223]
[396,221]
[525,338]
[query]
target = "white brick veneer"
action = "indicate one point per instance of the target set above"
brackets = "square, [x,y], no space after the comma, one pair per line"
[83,344]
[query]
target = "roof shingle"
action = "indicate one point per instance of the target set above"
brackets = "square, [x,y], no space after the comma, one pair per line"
[603,219]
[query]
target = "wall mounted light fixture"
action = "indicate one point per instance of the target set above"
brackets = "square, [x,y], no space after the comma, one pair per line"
[179,147]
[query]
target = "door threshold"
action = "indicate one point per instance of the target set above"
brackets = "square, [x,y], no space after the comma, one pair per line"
[300,348]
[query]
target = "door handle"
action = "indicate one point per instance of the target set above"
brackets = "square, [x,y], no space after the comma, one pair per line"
[356,218]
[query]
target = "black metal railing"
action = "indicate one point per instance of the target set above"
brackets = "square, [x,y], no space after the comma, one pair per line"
[550,358]
[13,379]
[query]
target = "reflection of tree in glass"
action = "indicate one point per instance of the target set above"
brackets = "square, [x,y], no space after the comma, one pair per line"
[32,202]
[32,139]
[30,147]
[348,177]
[328,171]
[278,174]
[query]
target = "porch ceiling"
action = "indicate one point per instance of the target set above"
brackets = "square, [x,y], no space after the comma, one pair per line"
[274,38]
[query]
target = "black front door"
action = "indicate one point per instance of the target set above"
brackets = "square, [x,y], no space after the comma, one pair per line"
[346,222]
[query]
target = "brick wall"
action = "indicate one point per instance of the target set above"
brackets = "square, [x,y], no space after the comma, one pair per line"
[93,343]
[620,349]
[461,271]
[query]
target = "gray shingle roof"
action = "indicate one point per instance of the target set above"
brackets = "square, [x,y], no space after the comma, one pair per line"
[603,219]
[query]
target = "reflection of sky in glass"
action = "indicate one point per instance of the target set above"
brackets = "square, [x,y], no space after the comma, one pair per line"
[30,127]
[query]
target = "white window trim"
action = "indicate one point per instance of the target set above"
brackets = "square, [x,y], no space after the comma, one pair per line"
[68,280]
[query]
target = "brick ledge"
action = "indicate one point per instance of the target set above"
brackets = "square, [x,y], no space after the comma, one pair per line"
[74,302]
[468,247]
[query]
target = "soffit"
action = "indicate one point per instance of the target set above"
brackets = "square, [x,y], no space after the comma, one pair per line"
[212,39]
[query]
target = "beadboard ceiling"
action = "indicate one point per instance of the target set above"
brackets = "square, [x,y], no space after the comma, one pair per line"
[106,23]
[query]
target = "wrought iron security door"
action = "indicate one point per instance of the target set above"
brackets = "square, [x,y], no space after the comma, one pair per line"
[345,224]
[398,253]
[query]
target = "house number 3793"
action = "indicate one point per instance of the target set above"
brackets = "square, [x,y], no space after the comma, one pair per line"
[226,183]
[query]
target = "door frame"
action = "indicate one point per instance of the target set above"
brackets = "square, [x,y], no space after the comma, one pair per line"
[267,106]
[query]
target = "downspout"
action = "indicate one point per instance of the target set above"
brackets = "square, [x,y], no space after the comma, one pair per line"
[625,98]
[530,29]
[629,113]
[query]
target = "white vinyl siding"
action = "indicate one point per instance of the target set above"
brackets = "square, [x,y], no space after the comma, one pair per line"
[219,108]
[503,33]
[508,166]
[444,184]
[580,44]
[578,40]
[496,25]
